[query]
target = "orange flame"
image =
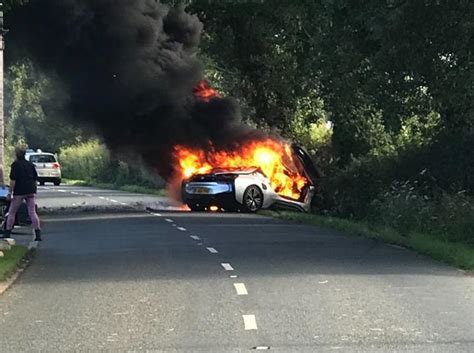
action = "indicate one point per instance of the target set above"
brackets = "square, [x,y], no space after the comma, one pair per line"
[274,159]
[204,92]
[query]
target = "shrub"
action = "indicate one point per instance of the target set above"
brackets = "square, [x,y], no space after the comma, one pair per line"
[419,187]
[91,161]
[86,161]
[410,207]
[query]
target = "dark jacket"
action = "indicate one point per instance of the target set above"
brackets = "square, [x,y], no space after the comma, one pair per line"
[25,176]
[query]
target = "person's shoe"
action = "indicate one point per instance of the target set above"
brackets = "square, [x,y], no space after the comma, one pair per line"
[38,235]
[6,234]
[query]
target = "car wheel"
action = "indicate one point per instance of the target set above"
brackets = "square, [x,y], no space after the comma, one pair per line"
[195,207]
[253,198]
[57,182]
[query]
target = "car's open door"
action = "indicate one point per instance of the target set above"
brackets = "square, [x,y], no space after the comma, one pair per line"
[307,166]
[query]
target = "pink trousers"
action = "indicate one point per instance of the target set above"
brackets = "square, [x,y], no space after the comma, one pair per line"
[15,205]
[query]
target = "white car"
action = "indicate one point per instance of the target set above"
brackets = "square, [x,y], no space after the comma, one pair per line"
[246,189]
[47,167]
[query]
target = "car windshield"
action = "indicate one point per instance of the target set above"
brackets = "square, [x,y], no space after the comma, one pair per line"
[42,158]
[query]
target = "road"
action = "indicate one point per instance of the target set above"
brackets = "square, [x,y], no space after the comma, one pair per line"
[189,282]
[76,198]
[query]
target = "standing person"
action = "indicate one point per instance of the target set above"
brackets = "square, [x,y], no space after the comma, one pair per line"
[23,181]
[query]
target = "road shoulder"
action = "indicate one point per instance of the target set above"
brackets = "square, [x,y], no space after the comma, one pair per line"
[14,263]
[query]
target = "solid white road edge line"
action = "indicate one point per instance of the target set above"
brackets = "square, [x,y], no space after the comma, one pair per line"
[227,267]
[212,250]
[249,322]
[240,289]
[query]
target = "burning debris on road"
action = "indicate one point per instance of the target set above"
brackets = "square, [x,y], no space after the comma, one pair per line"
[130,71]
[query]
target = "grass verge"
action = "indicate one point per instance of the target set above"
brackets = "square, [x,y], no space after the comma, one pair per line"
[128,188]
[9,263]
[457,254]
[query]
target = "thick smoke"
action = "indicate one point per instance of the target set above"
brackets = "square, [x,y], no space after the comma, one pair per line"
[128,68]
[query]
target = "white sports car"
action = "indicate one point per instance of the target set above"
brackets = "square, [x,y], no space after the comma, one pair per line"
[247,190]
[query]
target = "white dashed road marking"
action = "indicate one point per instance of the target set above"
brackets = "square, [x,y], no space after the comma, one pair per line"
[169,220]
[102,198]
[195,237]
[233,276]
[227,267]
[212,250]
[240,289]
[123,203]
[181,229]
[62,190]
[156,214]
[114,201]
[249,322]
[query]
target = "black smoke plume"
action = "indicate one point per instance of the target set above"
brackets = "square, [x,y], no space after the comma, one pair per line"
[128,68]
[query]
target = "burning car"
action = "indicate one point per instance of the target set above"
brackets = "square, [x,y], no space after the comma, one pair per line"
[267,174]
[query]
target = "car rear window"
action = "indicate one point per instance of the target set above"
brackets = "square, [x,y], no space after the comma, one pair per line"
[42,158]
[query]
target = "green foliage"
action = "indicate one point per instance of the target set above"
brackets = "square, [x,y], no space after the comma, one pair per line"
[415,189]
[26,119]
[9,5]
[86,161]
[407,208]
[376,65]
[10,262]
[92,162]
[256,50]
[418,131]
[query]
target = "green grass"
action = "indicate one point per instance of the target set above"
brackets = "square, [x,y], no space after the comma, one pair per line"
[453,253]
[10,262]
[128,188]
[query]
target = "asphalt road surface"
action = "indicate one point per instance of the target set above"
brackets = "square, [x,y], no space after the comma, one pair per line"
[74,198]
[191,282]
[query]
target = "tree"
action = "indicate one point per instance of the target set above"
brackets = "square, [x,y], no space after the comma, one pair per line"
[28,92]
[375,65]
[9,5]
[258,44]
